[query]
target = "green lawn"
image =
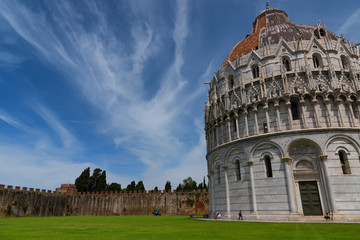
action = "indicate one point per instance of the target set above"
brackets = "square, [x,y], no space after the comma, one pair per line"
[166,227]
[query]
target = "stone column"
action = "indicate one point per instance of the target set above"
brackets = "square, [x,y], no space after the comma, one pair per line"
[252,183]
[349,105]
[222,132]
[229,128]
[212,137]
[358,107]
[277,107]
[207,138]
[338,103]
[227,191]
[216,134]
[326,178]
[246,124]
[288,106]
[212,193]
[266,109]
[316,112]
[326,101]
[256,121]
[237,126]
[290,183]
[303,116]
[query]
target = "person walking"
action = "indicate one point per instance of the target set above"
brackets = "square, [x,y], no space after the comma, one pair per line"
[240,215]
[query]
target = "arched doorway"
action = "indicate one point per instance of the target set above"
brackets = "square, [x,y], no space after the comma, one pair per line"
[310,190]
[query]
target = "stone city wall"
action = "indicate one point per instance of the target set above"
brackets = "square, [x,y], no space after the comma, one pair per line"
[30,202]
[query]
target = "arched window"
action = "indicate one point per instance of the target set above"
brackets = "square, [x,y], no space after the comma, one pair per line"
[344,62]
[344,162]
[266,130]
[268,167]
[231,82]
[317,60]
[218,173]
[255,71]
[235,125]
[286,64]
[294,110]
[237,170]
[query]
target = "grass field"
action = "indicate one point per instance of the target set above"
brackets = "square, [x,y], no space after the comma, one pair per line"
[166,227]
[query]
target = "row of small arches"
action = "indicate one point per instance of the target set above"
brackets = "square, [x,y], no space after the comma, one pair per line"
[344,162]
[286,66]
[294,101]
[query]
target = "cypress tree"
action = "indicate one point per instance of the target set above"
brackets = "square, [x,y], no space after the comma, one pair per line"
[168,186]
[101,182]
[82,182]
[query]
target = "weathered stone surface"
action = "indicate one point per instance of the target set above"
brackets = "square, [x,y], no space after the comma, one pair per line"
[44,204]
[287,96]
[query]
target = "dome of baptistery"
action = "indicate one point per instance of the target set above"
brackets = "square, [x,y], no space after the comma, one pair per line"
[282,124]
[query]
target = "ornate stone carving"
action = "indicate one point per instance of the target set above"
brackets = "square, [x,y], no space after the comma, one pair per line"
[274,90]
[298,86]
[304,165]
[252,94]
[322,83]
[344,83]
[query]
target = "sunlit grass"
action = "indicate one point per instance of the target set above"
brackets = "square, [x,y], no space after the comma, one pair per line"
[166,227]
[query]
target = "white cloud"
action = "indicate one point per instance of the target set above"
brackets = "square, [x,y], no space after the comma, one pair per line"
[351,25]
[9,60]
[108,71]
[23,166]
[10,120]
[67,139]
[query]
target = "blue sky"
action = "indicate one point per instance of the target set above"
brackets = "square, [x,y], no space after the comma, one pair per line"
[119,84]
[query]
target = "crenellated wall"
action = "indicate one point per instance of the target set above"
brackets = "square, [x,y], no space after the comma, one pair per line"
[22,203]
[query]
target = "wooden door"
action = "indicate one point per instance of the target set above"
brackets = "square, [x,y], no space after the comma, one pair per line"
[310,198]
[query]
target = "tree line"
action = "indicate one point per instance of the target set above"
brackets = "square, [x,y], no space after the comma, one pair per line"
[97,183]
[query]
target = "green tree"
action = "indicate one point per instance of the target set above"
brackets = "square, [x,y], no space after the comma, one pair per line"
[140,186]
[156,189]
[131,186]
[87,183]
[93,182]
[101,182]
[168,186]
[202,185]
[115,187]
[189,184]
[179,188]
[82,182]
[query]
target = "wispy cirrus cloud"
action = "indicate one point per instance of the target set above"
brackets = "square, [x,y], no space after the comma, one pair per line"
[5,117]
[8,60]
[351,24]
[67,139]
[35,157]
[108,69]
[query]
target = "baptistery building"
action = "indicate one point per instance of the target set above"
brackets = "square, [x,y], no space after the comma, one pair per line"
[282,122]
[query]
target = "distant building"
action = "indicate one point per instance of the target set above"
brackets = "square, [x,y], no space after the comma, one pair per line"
[282,124]
[67,188]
